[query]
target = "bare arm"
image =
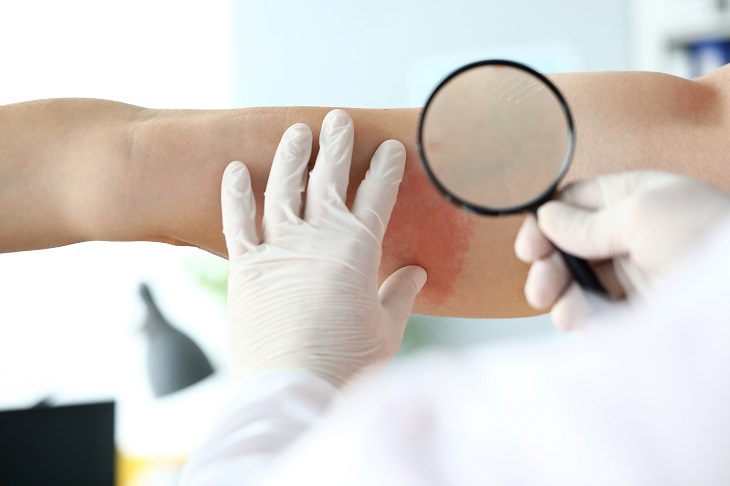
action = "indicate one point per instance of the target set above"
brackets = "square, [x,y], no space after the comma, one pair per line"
[55,157]
[635,120]
[466,256]
[109,171]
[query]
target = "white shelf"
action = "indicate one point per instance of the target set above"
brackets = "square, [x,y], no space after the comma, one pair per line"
[665,30]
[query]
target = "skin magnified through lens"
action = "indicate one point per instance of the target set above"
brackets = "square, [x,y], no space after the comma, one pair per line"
[496,137]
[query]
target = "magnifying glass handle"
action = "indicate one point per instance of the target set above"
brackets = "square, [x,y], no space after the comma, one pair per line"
[583,274]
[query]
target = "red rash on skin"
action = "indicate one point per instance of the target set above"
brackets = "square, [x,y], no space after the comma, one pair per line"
[427,230]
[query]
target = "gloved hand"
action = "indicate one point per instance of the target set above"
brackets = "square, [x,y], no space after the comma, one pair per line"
[305,295]
[634,227]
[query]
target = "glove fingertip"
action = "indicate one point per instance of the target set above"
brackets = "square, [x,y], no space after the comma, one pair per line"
[530,243]
[377,194]
[571,310]
[420,277]
[388,162]
[399,290]
[233,172]
[235,187]
[549,214]
[563,224]
[238,209]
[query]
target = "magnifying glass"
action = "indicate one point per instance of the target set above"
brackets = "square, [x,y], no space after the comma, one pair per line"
[496,138]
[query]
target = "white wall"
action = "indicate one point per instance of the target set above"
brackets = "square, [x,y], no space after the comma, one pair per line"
[159,53]
[330,52]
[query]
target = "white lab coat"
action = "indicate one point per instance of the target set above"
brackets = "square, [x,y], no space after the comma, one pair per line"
[642,398]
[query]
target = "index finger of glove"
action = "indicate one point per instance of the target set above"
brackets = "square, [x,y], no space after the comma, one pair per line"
[607,190]
[599,234]
[238,209]
[287,178]
[378,191]
[331,174]
[531,244]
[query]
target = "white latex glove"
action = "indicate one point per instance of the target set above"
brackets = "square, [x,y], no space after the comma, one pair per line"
[634,227]
[305,295]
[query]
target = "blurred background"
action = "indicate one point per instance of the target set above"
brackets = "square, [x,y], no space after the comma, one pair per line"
[72,319]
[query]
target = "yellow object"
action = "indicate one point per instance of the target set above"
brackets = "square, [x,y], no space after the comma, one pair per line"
[147,471]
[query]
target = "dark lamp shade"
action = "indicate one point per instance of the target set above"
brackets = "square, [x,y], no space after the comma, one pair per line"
[174,360]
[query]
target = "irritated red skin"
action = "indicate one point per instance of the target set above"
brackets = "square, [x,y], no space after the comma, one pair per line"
[426,230]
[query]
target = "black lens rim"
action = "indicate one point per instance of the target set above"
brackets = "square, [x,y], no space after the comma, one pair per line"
[530,205]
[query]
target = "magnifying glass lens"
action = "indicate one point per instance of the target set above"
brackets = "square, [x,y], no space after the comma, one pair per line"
[496,137]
